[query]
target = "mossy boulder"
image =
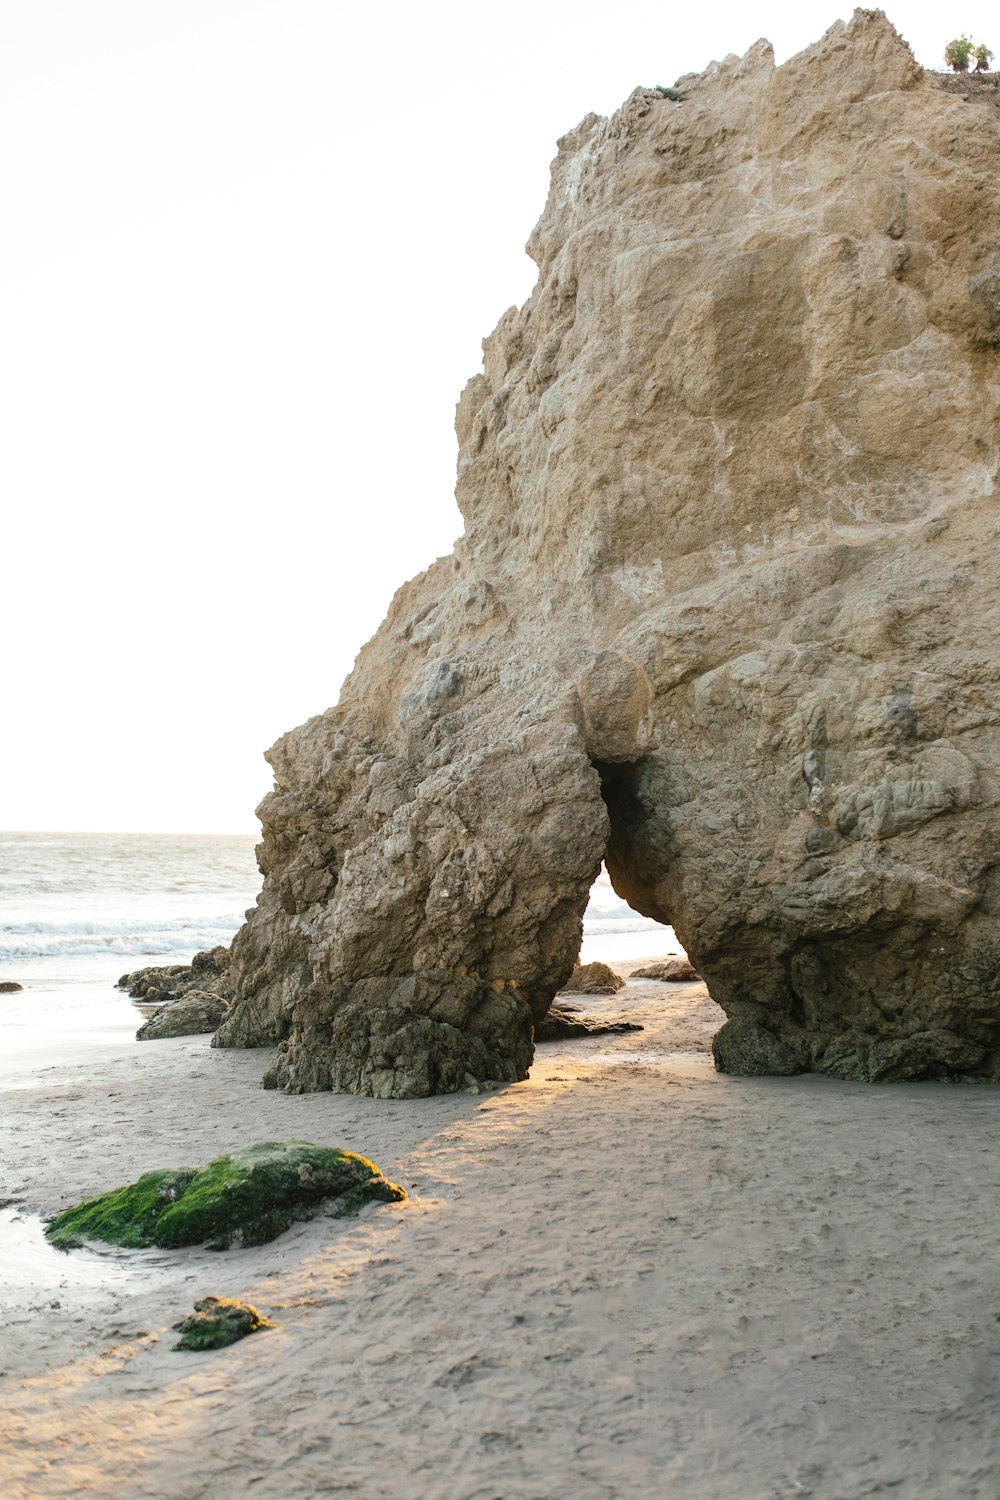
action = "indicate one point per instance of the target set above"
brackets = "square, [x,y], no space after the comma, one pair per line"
[218,1321]
[246,1198]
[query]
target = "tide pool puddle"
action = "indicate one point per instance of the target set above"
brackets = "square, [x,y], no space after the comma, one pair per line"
[33,1270]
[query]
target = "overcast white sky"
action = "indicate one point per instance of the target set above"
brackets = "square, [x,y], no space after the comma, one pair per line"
[250,248]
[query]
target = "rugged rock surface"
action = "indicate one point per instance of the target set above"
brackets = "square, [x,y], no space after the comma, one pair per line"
[207,974]
[672,970]
[196,1012]
[594,979]
[725,613]
[562,1023]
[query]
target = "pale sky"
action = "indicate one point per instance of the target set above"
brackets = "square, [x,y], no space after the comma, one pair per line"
[250,249]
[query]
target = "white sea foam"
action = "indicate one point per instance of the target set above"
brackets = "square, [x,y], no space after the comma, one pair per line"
[627,922]
[78,895]
[68,896]
[43,940]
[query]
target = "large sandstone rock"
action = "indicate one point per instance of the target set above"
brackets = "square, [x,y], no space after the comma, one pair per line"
[725,613]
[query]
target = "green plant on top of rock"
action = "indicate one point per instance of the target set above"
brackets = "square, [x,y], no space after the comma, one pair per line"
[958,54]
[218,1321]
[246,1198]
[983,57]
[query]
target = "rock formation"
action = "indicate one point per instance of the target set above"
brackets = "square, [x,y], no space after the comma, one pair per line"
[594,979]
[672,970]
[195,1012]
[724,614]
[563,1023]
[208,970]
[191,998]
[247,1197]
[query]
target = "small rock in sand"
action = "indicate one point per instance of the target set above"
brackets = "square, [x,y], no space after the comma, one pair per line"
[674,970]
[198,1012]
[8,986]
[594,979]
[217,1321]
[560,1025]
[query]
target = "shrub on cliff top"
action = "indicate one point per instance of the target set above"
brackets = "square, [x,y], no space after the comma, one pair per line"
[246,1198]
[959,53]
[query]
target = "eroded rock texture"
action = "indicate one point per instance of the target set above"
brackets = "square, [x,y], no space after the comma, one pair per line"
[594,979]
[196,1012]
[724,612]
[671,970]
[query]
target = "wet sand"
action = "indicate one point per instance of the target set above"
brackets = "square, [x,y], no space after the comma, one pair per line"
[626,1277]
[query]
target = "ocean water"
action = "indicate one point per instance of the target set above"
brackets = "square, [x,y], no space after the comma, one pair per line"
[613,931]
[81,895]
[77,910]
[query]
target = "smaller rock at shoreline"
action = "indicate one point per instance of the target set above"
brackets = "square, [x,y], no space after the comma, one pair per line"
[206,974]
[248,1197]
[192,1015]
[560,1024]
[218,1321]
[8,986]
[593,979]
[673,970]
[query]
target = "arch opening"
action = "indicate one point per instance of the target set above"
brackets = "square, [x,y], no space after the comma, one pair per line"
[625,790]
[633,971]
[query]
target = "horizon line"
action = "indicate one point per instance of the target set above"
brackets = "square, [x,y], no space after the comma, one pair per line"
[181,833]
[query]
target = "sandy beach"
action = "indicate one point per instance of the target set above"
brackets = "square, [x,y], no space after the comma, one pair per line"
[628,1276]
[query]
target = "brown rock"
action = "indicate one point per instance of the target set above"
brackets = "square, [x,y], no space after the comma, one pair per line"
[725,613]
[593,979]
[9,986]
[207,972]
[560,1024]
[197,1011]
[673,970]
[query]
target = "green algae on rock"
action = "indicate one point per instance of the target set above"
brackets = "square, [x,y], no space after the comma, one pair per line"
[218,1321]
[246,1198]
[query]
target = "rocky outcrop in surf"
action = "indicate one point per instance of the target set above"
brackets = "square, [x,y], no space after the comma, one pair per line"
[189,998]
[724,614]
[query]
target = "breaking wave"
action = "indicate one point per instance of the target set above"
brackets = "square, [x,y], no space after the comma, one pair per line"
[627,922]
[63,940]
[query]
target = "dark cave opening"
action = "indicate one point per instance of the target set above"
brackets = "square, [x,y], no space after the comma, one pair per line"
[626,793]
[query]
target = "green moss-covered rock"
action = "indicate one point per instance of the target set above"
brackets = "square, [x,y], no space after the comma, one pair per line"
[128,1216]
[218,1321]
[245,1198]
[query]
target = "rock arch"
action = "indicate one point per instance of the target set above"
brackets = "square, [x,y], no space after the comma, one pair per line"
[725,609]
[446,924]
